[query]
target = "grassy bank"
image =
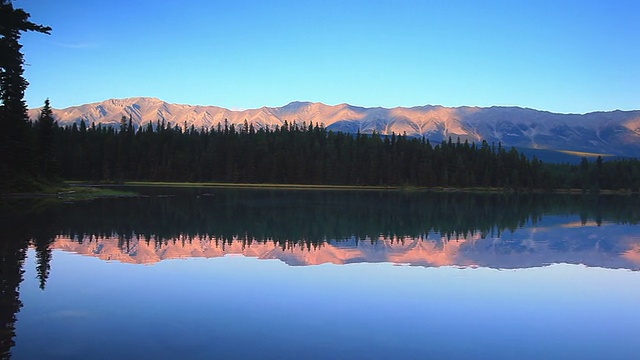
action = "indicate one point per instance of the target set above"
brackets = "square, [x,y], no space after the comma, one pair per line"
[78,190]
[353,187]
[72,191]
[81,192]
[257,186]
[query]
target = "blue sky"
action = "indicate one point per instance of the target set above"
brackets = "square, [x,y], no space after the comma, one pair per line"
[562,56]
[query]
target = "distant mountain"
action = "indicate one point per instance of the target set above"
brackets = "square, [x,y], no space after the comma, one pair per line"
[613,133]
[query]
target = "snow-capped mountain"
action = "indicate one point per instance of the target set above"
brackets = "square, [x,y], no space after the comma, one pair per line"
[614,132]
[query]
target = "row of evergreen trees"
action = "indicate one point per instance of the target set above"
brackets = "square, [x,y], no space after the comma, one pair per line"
[309,154]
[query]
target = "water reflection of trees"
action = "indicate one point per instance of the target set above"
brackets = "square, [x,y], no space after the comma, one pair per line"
[310,219]
[12,255]
[319,215]
[22,224]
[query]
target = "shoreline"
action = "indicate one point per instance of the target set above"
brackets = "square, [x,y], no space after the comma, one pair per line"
[80,190]
[319,187]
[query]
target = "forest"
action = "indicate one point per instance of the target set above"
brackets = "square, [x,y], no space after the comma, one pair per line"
[304,154]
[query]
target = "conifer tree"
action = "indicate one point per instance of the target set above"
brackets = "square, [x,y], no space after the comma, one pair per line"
[15,159]
[48,167]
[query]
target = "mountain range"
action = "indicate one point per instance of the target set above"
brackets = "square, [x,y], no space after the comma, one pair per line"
[608,133]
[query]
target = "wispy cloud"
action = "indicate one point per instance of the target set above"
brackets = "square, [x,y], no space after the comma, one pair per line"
[80,45]
[66,314]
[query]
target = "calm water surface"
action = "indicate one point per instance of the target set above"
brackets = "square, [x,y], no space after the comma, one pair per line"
[237,274]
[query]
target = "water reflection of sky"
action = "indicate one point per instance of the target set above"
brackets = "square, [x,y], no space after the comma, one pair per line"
[239,307]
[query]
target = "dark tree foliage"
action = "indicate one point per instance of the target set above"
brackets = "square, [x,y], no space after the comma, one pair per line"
[308,154]
[16,159]
[48,167]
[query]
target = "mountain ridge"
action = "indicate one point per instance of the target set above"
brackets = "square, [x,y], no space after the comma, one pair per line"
[608,132]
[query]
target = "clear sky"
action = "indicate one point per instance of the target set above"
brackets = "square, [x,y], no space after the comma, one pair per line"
[565,55]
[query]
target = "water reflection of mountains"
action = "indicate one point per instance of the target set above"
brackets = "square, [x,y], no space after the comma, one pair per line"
[314,227]
[600,246]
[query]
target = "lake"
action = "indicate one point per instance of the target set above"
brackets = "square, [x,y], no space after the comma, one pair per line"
[301,274]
